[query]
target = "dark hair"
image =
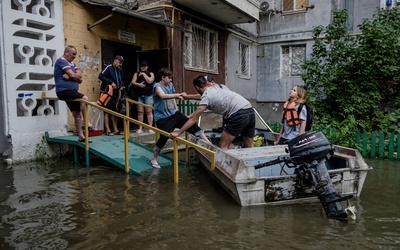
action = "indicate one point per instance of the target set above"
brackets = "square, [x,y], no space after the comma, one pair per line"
[199,81]
[163,72]
[144,63]
[209,78]
[119,57]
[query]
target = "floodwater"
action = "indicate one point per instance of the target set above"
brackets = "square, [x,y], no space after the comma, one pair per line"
[56,205]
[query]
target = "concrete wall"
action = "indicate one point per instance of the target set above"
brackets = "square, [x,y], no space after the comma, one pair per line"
[33,35]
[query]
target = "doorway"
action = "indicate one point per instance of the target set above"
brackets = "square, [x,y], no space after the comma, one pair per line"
[132,54]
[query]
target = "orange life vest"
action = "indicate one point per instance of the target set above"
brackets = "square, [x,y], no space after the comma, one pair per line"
[105,96]
[290,114]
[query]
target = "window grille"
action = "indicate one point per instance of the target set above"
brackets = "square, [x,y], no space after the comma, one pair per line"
[291,5]
[244,60]
[293,57]
[201,50]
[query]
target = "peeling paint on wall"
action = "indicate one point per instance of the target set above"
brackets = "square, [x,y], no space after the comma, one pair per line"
[89,61]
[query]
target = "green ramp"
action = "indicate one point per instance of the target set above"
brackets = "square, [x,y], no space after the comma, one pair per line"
[111,149]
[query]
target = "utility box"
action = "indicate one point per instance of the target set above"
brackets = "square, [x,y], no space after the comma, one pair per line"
[96,121]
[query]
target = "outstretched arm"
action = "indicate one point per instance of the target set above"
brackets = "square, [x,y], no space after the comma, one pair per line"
[192,96]
[165,96]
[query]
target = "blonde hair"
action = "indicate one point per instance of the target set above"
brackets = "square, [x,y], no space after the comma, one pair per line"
[301,94]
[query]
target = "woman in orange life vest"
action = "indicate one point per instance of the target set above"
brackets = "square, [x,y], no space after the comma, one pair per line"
[293,123]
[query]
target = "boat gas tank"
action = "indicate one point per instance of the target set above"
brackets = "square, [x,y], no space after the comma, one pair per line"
[310,146]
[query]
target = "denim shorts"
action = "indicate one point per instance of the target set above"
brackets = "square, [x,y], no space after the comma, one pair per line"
[241,122]
[146,99]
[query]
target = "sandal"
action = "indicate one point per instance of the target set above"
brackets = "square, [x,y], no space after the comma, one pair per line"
[154,165]
[109,134]
[117,133]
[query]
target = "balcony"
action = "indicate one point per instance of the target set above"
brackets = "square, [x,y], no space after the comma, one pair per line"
[226,11]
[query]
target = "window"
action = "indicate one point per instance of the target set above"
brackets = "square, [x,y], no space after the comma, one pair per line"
[290,5]
[201,48]
[293,58]
[244,60]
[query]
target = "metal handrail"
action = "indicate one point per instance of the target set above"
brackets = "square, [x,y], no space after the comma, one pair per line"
[128,119]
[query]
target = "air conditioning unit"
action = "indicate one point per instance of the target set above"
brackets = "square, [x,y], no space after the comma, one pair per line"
[267,6]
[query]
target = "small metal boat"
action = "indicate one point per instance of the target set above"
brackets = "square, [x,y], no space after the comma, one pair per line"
[308,169]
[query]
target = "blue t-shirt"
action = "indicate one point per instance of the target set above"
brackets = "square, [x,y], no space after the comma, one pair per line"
[163,108]
[60,67]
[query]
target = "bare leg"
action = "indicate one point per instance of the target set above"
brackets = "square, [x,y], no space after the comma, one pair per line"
[107,122]
[78,119]
[153,160]
[114,121]
[149,115]
[249,142]
[140,116]
[226,140]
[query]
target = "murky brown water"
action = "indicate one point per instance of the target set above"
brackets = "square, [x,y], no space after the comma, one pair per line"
[60,206]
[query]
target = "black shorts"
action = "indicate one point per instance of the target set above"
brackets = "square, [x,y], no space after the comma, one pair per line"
[67,95]
[241,122]
[168,124]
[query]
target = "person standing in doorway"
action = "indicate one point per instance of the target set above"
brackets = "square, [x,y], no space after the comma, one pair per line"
[142,83]
[112,75]
[67,78]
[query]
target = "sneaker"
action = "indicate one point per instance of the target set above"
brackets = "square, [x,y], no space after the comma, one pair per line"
[139,131]
[151,131]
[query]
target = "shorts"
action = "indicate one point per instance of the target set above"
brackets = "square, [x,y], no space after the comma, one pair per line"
[146,99]
[168,124]
[241,122]
[67,95]
[112,104]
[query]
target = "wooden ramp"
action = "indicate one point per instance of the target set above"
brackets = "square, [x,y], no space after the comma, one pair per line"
[111,149]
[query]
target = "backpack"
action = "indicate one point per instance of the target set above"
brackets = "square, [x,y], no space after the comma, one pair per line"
[310,115]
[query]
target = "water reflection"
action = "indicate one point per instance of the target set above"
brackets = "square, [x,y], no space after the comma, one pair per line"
[61,206]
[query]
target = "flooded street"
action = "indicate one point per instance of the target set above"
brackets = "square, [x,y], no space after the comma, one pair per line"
[57,205]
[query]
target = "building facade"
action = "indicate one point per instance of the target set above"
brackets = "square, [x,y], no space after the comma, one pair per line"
[254,47]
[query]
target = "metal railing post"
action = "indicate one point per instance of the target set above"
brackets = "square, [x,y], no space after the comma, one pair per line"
[126,148]
[176,162]
[85,119]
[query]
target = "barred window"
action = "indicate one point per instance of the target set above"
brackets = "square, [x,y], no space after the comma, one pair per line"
[244,60]
[201,50]
[293,58]
[290,5]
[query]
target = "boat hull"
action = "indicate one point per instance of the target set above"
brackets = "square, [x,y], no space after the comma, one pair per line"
[278,184]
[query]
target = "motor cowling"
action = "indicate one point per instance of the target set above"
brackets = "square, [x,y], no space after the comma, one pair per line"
[310,146]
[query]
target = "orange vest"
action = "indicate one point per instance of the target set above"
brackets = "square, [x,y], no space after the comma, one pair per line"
[290,114]
[105,96]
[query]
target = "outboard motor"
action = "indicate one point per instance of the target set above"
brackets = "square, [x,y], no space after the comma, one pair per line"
[311,151]
[308,154]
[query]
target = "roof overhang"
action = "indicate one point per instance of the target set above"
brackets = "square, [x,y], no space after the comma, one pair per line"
[225,11]
[127,8]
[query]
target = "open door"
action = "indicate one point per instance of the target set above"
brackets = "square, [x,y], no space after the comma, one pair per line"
[109,49]
[157,59]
